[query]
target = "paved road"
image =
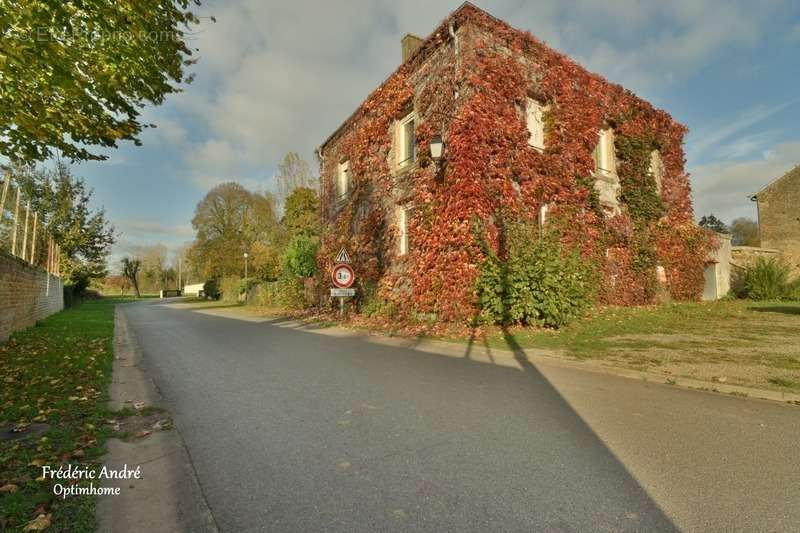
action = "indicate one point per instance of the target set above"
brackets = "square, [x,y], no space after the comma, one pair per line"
[296,431]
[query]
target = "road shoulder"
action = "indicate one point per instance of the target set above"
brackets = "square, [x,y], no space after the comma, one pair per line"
[483,353]
[168,496]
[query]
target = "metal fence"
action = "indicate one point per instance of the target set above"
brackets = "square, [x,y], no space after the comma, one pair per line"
[23,232]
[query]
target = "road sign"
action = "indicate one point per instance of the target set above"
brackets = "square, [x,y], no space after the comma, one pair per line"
[342,257]
[343,292]
[343,275]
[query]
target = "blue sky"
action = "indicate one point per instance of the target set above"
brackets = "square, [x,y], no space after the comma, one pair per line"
[280,76]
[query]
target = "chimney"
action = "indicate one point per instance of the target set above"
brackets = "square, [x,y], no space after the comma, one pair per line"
[409,44]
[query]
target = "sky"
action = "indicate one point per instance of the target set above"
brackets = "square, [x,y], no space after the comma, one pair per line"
[274,77]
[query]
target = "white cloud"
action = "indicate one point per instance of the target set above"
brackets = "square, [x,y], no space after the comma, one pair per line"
[724,188]
[132,227]
[712,136]
[278,76]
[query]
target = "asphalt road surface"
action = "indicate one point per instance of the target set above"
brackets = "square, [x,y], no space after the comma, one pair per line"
[295,431]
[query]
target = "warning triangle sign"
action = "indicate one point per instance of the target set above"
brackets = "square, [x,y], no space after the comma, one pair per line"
[343,256]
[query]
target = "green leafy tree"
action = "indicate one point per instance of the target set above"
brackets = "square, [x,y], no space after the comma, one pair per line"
[75,74]
[713,223]
[300,257]
[63,202]
[229,221]
[301,212]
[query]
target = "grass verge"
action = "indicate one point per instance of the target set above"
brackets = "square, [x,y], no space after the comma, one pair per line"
[742,342]
[57,374]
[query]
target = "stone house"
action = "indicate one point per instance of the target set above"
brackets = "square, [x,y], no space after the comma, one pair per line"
[480,121]
[779,217]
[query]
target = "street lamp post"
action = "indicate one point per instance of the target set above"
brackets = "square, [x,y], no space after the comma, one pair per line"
[245,276]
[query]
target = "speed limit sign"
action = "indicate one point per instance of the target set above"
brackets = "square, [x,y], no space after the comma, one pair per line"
[343,275]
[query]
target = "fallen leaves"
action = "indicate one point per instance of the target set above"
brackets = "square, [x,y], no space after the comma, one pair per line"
[40,523]
[9,488]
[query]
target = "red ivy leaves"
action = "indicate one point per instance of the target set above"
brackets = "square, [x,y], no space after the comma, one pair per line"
[492,172]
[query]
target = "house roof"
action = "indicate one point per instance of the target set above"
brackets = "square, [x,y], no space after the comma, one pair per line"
[794,173]
[423,49]
[431,42]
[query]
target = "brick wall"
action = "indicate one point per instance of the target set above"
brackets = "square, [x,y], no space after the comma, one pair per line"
[24,295]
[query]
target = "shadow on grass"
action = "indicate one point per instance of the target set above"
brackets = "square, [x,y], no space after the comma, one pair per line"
[783,309]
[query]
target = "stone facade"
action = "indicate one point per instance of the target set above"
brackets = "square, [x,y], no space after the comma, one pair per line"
[779,217]
[27,294]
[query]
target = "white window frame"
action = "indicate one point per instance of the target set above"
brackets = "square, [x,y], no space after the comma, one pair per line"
[534,120]
[403,158]
[343,179]
[402,225]
[604,156]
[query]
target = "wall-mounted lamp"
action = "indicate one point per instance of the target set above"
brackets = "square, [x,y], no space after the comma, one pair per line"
[437,148]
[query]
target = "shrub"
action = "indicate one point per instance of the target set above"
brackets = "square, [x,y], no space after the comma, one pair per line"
[300,257]
[793,292]
[372,305]
[211,288]
[767,279]
[539,283]
[289,292]
[71,296]
[230,287]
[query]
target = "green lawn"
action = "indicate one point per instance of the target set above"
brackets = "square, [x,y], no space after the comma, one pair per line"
[56,373]
[749,343]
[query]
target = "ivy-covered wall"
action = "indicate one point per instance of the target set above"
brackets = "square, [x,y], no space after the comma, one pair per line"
[469,82]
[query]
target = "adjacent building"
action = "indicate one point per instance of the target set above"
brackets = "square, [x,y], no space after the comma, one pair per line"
[482,124]
[779,216]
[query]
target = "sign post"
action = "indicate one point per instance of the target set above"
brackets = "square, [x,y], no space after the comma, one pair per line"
[343,277]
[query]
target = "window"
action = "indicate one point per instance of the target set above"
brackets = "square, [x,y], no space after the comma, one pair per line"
[402,225]
[656,169]
[407,141]
[606,180]
[343,179]
[604,157]
[534,118]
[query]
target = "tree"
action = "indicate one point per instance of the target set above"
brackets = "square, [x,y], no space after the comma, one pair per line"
[744,232]
[301,212]
[76,74]
[229,221]
[63,203]
[293,172]
[713,223]
[118,282]
[130,269]
[300,258]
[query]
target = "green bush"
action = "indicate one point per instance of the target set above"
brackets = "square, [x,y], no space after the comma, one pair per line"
[793,292]
[300,257]
[767,279]
[540,283]
[373,305]
[211,289]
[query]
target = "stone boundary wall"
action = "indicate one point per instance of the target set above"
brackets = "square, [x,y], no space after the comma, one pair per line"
[27,294]
[742,256]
